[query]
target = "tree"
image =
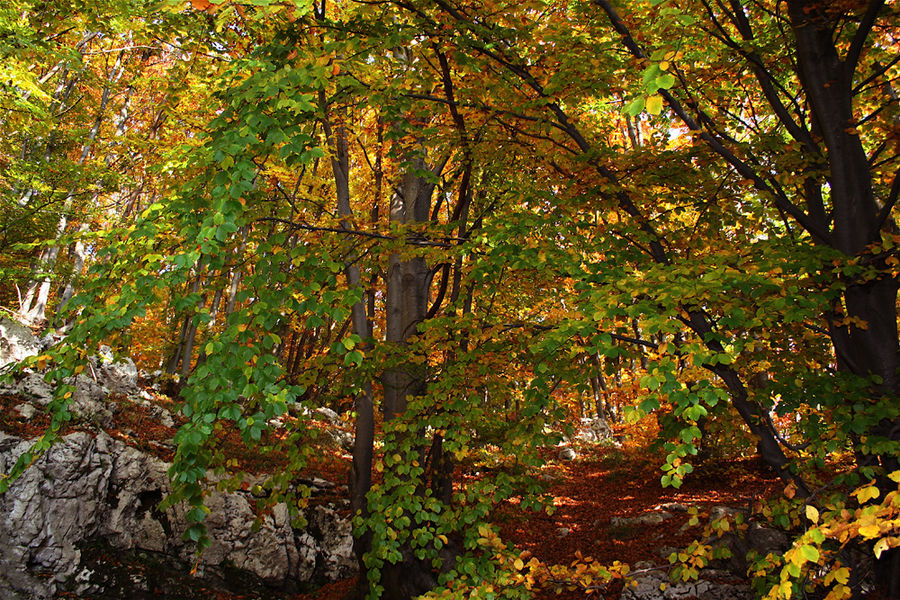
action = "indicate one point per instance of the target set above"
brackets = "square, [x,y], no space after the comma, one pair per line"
[455,212]
[828,167]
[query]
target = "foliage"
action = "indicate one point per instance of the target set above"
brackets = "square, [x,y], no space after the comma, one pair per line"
[471,217]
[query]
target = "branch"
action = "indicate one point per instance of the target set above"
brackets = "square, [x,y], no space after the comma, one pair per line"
[366,234]
[739,165]
[888,206]
[859,39]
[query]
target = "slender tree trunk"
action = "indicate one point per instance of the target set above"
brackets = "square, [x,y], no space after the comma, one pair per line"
[181,356]
[77,266]
[33,309]
[360,475]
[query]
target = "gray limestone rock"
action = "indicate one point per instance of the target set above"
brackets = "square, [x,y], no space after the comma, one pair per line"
[118,375]
[30,386]
[654,518]
[89,488]
[655,585]
[593,429]
[758,538]
[16,342]
[26,411]
[335,537]
[89,401]
[48,510]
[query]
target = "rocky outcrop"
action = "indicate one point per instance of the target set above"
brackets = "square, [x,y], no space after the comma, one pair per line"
[654,584]
[104,375]
[93,488]
[17,342]
[593,430]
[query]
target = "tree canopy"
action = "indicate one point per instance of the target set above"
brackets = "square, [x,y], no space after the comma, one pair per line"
[464,222]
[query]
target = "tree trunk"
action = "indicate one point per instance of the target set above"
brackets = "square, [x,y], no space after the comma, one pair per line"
[33,309]
[360,474]
[872,349]
[406,306]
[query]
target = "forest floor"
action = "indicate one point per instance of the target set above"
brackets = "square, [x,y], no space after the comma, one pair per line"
[603,482]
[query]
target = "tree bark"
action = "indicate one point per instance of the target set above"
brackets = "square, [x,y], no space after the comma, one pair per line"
[33,309]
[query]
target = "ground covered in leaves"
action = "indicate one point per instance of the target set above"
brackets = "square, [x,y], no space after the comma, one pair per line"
[606,482]
[602,483]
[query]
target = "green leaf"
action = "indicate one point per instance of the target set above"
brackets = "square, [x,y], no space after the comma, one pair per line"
[635,107]
[810,553]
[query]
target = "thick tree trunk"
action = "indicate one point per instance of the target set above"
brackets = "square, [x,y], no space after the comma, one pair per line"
[871,349]
[406,296]
[406,306]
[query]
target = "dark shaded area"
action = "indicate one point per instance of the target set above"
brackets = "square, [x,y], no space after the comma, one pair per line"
[142,575]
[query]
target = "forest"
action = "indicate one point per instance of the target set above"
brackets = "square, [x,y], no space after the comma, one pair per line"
[470,229]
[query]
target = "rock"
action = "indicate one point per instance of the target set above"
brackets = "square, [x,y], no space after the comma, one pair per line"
[16,342]
[672,507]
[335,536]
[88,489]
[666,551]
[344,439]
[51,339]
[51,507]
[647,587]
[766,539]
[161,415]
[326,414]
[721,512]
[118,375]
[32,386]
[593,430]
[759,539]
[562,532]
[566,453]
[27,411]
[654,518]
[269,552]
[89,401]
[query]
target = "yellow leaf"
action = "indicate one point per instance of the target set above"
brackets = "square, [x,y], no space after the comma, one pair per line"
[895,476]
[869,531]
[867,493]
[518,565]
[654,104]
[812,514]
[664,65]
[880,546]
